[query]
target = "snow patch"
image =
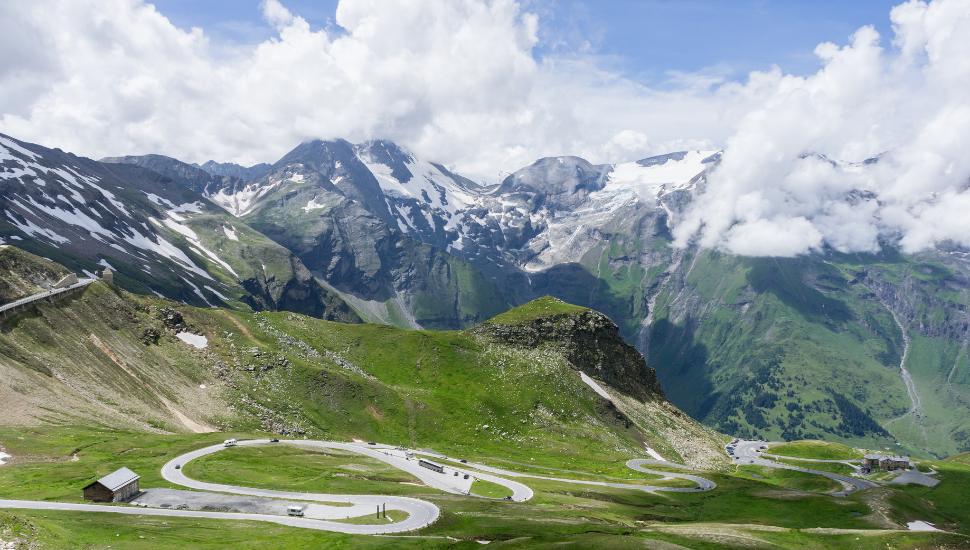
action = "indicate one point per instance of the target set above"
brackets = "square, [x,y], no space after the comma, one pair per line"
[106,264]
[159,200]
[921,526]
[216,292]
[3,455]
[596,387]
[654,454]
[193,238]
[196,340]
[231,233]
[313,205]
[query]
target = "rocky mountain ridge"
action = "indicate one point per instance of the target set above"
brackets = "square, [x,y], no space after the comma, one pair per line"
[159,237]
[820,345]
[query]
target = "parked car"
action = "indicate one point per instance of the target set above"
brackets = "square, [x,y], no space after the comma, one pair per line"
[371,443]
[466,476]
[456,474]
[463,461]
[274,440]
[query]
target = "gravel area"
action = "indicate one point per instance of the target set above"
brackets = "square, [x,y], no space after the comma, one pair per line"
[212,502]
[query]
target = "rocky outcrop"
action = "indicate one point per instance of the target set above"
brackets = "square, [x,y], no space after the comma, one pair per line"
[22,274]
[590,341]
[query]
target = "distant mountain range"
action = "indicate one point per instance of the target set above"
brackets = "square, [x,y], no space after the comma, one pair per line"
[773,347]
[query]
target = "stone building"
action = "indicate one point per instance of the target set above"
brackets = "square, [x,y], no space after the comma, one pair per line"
[885,462]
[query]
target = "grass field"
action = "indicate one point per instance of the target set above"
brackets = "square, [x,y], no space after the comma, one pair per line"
[43,468]
[834,467]
[591,470]
[290,468]
[791,478]
[391,516]
[816,449]
[489,489]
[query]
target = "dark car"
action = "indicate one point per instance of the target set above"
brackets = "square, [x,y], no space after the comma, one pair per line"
[456,474]
[274,440]
[463,461]
[507,498]
[466,476]
[371,443]
[698,487]
[178,466]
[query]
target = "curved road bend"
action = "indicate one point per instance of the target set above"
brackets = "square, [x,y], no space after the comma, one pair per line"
[54,293]
[704,484]
[747,452]
[283,520]
[520,492]
[420,513]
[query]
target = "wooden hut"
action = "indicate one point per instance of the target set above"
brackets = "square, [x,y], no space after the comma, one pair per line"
[117,486]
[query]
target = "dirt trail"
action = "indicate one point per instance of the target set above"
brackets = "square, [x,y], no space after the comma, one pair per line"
[186,421]
[236,322]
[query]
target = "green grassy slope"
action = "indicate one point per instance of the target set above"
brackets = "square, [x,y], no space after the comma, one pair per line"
[106,357]
[816,449]
[743,510]
[796,348]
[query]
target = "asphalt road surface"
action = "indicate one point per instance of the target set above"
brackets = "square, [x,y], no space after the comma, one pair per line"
[283,520]
[420,513]
[748,453]
[703,484]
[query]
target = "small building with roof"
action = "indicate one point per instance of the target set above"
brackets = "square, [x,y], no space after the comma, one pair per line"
[117,486]
[885,462]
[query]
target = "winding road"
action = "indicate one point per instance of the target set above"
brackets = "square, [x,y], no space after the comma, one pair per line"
[747,453]
[420,513]
[46,295]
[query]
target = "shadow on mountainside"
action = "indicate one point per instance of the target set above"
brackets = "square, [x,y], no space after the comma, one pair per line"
[681,364]
[783,278]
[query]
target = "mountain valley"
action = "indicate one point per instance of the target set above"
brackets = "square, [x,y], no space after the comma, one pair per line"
[373,233]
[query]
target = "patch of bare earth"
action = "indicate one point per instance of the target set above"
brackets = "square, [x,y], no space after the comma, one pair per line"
[877,500]
[721,533]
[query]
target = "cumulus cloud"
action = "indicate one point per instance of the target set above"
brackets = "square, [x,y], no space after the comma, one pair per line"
[460,82]
[455,80]
[775,193]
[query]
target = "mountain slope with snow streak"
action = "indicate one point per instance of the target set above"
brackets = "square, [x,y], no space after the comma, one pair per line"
[157,235]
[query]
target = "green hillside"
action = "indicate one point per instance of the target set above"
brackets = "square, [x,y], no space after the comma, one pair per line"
[106,357]
[788,348]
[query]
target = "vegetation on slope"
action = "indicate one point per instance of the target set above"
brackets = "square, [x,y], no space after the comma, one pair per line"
[106,357]
[815,449]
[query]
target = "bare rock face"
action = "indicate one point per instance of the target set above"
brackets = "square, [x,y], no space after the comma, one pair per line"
[23,274]
[590,341]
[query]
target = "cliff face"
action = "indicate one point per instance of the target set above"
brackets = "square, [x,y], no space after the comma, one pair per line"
[23,274]
[589,340]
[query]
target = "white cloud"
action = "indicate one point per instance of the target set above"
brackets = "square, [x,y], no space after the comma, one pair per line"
[772,196]
[458,81]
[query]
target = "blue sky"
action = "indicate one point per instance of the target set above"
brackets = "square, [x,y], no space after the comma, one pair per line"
[647,38]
